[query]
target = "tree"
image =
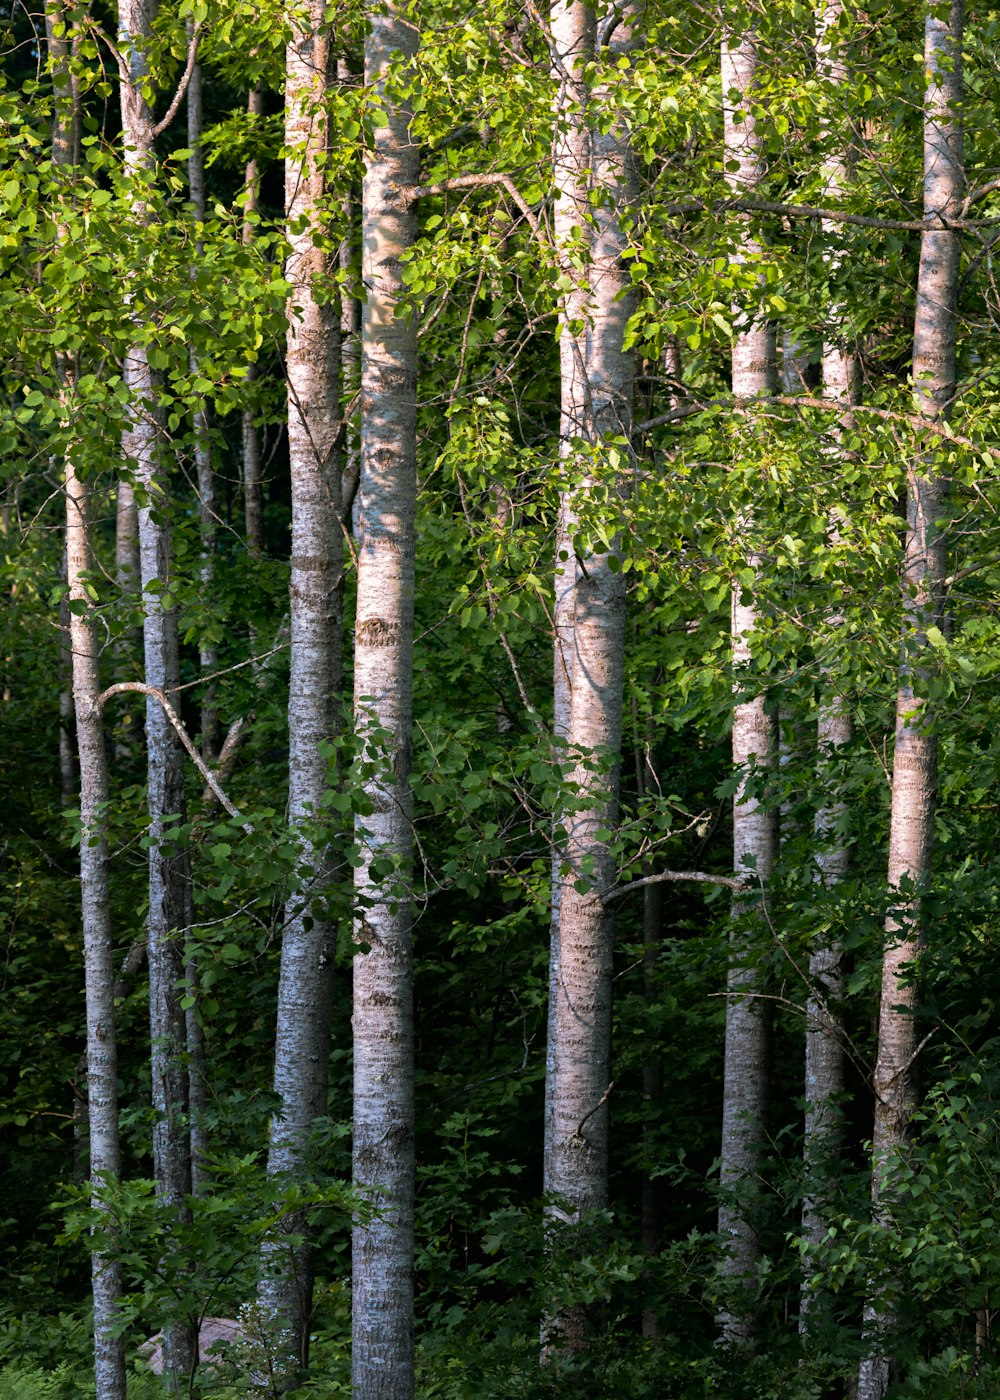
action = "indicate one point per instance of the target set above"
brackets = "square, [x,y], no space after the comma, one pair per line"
[745,1091]
[143,445]
[382,1277]
[302,1036]
[104,1166]
[915,754]
[595,434]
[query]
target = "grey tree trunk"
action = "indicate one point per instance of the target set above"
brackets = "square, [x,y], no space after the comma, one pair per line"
[597,408]
[571,29]
[142,449]
[382,1302]
[101,1104]
[208,652]
[302,1037]
[914,770]
[253,489]
[824,1052]
[755,826]
[208,655]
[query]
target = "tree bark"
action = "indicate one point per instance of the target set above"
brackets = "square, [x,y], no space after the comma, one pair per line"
[253,486]
[824,1052]
[302,1037]
[755,825]
[914,772]
[208,652]
[382,1305]
[101,1102]
[571,27]
[597,412]
[142,449]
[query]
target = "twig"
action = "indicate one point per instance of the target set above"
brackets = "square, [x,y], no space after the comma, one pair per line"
[578,1135]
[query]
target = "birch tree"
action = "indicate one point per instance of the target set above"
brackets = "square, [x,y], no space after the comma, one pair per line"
[104,1167]
[824,1058]
[914,769]
[571,44]
[596,422]
[755,835]
[302,1037]
[143,451]
[382,1306]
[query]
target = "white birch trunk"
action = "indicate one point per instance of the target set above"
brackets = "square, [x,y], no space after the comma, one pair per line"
[253,500]
[101,1103]
[208,653]
[597,408]
[571,29]
[382,1302]
[824,1053]
[914,769]
[142,449]
[755,828]
[302,1037]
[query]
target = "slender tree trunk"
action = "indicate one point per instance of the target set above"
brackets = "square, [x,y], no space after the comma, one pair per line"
[208,655]
[69,776]
[572,39]
[600,392]
[350,327]
[253,488]
[755,826]
[142,449]
[302,1038]
[382,1345]
[914,771]
[208,652]
[101,1102]
[824,1053]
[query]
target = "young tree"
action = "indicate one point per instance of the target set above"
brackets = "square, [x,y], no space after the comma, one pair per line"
[597,416]
[914,769]
[302,1037]
[382,1307]
[143,451]
[755,835]
[824,1060]
[102,1051]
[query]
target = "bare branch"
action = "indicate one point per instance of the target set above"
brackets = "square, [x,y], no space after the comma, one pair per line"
[182,86]
[697,877]
[482,181]
[157,694]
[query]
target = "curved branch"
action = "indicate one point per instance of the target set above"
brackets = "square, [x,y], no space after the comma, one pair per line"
[697,877]
[157,694]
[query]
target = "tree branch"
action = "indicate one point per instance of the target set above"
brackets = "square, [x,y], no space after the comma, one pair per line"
[478,182]
[157,694]
[192,56]
[697,877]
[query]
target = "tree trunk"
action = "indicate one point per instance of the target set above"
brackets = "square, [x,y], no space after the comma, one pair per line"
[253,497]
[382,1345]
[914,771]
[597,408]
[572,38]
[101,1102]
[142,449]
[824,1052]
[302,1038]
[755,826]
[208,652]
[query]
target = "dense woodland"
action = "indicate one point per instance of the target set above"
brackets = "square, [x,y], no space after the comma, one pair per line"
[499,704]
